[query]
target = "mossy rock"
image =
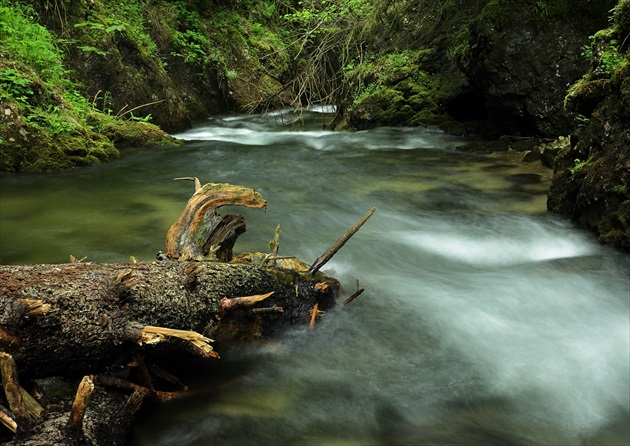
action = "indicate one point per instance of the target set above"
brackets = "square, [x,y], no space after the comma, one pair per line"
[124,133]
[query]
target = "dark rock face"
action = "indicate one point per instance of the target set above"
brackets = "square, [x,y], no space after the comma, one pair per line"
[591,183]
[520,69]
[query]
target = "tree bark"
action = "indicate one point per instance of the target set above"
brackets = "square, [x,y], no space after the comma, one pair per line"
[76,319]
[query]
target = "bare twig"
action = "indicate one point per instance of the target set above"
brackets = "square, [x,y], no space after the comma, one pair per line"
[195,179]
[321,261]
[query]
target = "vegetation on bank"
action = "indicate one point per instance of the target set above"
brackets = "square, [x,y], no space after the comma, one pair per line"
[592,179]
[78,79]
[608,54]
[45,122]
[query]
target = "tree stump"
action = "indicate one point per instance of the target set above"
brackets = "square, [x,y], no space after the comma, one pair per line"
[200,232]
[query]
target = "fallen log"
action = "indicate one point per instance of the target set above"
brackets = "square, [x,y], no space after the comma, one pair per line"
[99,315]
[87,322]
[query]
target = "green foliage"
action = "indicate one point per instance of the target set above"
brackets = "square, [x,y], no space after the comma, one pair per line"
[91,49]
[108,24]
[577,164]
[29,42]
[605,52]
[582,121]
[540,8]
[14,84]
[52,120]
[191,45]
[105,20]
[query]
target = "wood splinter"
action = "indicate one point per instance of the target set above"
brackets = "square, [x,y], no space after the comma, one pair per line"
[154,335]
[195,179]
[315,313]
[81,400]
[321,261]
[8,421]
[246,301]
[21,403]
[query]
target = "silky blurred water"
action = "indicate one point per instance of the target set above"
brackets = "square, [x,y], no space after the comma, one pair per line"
[485,320]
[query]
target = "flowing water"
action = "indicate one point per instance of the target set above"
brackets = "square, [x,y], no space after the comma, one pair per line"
[485,320]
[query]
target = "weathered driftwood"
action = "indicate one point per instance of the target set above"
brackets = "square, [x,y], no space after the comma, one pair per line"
[200,232]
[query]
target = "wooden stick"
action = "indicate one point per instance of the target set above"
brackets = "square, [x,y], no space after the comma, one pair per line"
[154,335]
[274,309]
[354,296]
[8,421]
[274,245]
[321,261]
[314,313]
[247,301]
[11,386]
[81,400]
[119,383]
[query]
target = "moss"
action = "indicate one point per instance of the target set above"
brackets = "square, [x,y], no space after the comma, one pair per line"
[398,90]
[138,134]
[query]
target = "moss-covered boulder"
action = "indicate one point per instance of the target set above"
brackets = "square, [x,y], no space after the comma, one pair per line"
[397,90]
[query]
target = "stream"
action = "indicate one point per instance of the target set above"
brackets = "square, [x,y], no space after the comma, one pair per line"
[485,320]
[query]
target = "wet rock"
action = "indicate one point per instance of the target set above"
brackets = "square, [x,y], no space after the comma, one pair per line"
[591,182]
[520,68]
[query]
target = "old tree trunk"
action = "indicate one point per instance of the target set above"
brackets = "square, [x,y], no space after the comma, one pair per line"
[104,333]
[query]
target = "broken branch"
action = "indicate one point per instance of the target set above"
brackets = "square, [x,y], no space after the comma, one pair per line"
[321,261]
[119,383]
[81,400]
[8,421]
[246,301]
[354,296]
[154,335]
